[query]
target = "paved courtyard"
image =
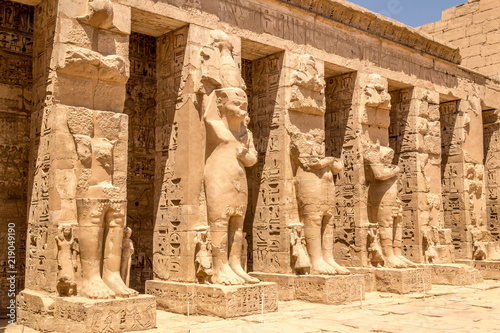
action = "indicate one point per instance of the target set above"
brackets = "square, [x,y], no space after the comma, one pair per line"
[443,309]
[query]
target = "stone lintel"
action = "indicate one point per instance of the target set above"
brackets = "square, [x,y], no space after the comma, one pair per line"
[213,299]
[324,289]
[490,270]
[79,314]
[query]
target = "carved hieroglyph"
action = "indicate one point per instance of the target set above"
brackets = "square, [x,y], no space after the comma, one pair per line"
[313,172]
[384,206]
[230,149]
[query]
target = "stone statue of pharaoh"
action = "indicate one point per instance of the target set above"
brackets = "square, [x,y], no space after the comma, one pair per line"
[101,204]
[315,191]
[229,149]
[384,207]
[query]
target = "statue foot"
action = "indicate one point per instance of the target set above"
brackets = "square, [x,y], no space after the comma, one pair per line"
[394,262]
[115,282]
[407,261]
[340,270]
[225,275]
[320,267]
[95,288]
[244,275]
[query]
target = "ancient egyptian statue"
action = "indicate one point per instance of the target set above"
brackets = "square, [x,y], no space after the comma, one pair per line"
[67,252]
[229,149]
[100,202]
[127,251]
[313,172]
[384,207]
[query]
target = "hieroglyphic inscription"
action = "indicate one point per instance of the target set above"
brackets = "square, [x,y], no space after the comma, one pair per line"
[170,229]
[266,192]
[140,106]
[41,250]
[452,176]
[492,171]
[403,139]
[340,135]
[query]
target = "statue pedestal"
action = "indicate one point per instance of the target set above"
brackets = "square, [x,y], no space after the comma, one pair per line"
[324,289]
[456,274]
[489,269]
[79,314]
[214,300]
[399,281]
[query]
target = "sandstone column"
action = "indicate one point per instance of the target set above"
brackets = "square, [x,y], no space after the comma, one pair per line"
[78,190]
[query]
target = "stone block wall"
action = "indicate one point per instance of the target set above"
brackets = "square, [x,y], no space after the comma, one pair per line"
[474,28]
[140,106]
[16,81]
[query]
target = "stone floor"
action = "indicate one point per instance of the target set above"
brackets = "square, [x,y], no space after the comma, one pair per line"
[443,309]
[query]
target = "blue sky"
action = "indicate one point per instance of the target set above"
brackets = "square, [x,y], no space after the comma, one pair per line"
[410,12]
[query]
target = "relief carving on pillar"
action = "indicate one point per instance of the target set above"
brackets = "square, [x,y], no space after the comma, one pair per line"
[313,171]
[230,149]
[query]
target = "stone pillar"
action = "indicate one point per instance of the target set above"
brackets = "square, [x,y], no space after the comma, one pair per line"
[199,88]
[462,173]
[415,136]
[342,127]
[180,153]
[80,161]
[491,123]
[268,178]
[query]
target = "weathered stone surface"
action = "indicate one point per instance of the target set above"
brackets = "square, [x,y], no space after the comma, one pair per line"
[214,300]
[455,274]
[337,289]
[490,270]
[79,314]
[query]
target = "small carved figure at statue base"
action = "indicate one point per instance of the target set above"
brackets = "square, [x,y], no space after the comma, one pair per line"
[203,258]
[375,254]
[127,251]
[66,260]
[429,245]
[300,261]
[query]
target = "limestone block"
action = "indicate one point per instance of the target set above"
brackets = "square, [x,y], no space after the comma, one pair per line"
[403,281]
[336,289]
[455,275]
[78,314]
[490,270]
[109,97]
[214,300]
[72,32]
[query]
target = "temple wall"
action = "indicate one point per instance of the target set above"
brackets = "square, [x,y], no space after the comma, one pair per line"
[140,106]
[16,81]
[473,27]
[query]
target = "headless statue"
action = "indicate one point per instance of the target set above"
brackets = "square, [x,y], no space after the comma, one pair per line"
[384,207]
[315,191]
[66,261]
[100,206]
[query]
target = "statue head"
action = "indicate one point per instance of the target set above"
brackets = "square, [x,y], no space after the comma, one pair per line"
[127,232]
[376,91]
[386,155]
[232,102]
[220,40]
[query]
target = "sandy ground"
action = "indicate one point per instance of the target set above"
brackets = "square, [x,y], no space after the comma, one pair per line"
[443,309]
